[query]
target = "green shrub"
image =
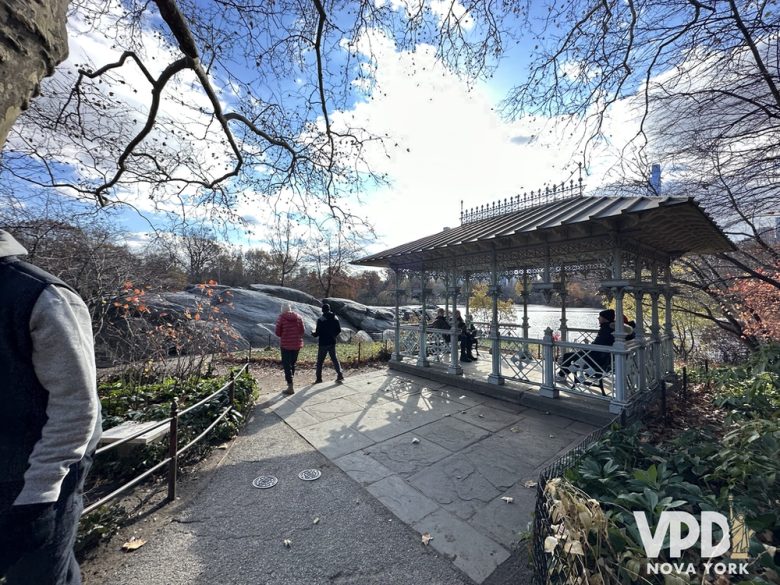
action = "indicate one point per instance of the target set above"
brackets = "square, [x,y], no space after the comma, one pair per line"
[152,401]
[736,466]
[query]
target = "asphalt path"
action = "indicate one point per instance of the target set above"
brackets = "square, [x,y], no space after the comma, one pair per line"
[229,532]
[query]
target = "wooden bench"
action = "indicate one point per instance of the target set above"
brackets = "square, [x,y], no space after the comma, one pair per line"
[130,428]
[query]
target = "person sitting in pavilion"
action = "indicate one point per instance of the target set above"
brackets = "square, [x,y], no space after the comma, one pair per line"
[440,322]
[599,361]
[465,338]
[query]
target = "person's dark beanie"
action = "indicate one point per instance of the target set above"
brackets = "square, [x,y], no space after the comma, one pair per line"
[326,309]
[608,314]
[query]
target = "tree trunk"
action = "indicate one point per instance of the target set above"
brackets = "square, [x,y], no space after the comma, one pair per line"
[33,40]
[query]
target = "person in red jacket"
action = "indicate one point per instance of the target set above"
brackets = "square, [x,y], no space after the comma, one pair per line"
[289,330]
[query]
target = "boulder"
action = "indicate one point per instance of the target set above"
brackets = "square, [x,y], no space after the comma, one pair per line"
[361,337]
[251,313]
[372,320]
[289,294]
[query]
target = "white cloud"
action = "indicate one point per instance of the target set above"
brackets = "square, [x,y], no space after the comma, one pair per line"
[445,143]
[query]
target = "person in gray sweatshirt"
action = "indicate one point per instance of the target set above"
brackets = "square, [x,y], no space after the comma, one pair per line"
[50,420]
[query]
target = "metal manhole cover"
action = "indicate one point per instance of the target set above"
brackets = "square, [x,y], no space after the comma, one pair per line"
[264,482]
[310,474]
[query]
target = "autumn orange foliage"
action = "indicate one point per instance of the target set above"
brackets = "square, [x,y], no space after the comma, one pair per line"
[758,305]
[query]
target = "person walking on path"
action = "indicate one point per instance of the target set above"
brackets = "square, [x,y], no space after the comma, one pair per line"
[289,330]
[327,331]
[50,422]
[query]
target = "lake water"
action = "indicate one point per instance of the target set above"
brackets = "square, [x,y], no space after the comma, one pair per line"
[541,316]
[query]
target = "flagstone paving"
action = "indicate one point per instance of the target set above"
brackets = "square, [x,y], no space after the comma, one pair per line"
[440,458]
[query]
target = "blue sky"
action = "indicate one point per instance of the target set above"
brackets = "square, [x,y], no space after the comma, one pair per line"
[446,142]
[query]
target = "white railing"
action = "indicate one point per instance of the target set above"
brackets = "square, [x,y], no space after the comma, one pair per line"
[585,368]
[438,344]
[409,342]
[519,361]
[577,335]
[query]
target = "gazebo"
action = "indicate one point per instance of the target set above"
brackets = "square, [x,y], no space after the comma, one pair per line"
[545,237]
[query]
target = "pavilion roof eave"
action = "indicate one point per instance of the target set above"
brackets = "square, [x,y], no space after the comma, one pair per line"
[646,220]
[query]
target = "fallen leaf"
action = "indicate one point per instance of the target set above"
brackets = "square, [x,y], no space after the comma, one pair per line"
[426,538]
[133,544]
[515,429]
[415,440]
[316,521]
[508,499]
[573,547]
[530,484]
[481,416]
[552,436]
[550,543]
[287,542]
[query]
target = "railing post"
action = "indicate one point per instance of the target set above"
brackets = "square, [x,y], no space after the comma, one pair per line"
[360,344]
[619,400]
[232,389]
[173,448]
[639,335]
[548,388]
[663,400]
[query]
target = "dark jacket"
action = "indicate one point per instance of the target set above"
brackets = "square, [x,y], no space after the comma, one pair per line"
[440,322]
[605,336]
[328,329]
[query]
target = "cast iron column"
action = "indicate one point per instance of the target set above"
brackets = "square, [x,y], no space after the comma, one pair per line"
[422,355]
[397,342]
[495,376]
[454,333]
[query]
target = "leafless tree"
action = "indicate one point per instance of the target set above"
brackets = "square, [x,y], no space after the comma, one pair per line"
[287,246]
[702,79]
[231,99]
[330,252]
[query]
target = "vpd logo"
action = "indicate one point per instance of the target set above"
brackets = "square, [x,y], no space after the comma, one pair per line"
[702,532]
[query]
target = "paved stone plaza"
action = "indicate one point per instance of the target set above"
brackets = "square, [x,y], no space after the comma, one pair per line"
[440,458]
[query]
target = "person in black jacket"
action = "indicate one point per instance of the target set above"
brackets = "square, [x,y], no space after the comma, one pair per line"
[50,420]
[598,360]
[465,338]
[327,331]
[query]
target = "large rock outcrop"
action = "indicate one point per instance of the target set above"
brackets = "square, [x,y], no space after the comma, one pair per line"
[283,292]
[372,320]
[247,317]
[253,314]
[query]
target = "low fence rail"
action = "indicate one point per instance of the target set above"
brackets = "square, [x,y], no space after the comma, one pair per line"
[552,567]
[174,452]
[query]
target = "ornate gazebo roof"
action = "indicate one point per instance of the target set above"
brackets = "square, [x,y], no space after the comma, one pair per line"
[574,229]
